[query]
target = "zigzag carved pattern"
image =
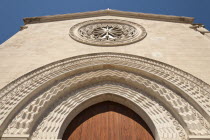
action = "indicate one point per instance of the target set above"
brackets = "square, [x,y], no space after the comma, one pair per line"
[14,93]
[191,117]
[167,126]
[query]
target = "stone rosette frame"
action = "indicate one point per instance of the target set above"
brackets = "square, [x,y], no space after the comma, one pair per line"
[107,32]
[40,105]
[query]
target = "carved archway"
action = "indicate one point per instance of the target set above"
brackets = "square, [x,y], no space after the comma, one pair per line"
[25,101]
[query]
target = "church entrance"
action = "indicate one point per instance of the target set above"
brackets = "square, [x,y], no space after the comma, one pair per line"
[107,121]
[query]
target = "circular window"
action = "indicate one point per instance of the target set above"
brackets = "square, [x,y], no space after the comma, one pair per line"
[107,32]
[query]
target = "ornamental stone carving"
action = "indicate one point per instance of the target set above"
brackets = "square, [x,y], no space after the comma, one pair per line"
[107,32]
[37,105]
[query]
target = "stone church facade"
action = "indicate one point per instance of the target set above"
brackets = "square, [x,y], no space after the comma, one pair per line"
[57,66]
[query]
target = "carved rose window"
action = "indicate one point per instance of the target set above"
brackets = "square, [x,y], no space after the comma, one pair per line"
[107,32]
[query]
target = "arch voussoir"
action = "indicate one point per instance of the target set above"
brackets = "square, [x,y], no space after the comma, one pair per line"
[182,95]
[147,108]
[90,78]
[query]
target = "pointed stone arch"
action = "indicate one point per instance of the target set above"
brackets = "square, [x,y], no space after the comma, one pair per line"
[142,104]
[24,101]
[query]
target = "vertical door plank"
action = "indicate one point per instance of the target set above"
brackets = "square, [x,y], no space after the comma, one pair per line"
[107,121]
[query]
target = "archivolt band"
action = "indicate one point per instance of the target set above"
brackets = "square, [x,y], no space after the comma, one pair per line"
[40,105]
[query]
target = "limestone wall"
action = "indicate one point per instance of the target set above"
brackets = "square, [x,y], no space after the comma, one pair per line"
[42,43]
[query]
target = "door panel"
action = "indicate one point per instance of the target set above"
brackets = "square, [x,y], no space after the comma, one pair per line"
[107,121]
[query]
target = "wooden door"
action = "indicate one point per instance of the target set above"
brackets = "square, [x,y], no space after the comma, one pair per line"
[107,121]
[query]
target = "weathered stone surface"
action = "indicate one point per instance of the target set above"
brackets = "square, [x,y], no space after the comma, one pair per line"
[173,43]
[39,105]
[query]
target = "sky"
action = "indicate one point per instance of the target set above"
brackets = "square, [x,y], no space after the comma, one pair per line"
[13,11]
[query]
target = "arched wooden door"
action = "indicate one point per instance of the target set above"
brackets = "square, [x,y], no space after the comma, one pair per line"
[107,121]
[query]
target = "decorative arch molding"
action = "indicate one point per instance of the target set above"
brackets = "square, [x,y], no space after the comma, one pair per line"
[24,101]
[62,88]
[142,104]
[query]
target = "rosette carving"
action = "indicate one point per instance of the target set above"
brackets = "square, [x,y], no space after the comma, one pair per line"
[107,32]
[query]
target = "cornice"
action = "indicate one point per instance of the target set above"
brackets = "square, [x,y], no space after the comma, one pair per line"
[108,12]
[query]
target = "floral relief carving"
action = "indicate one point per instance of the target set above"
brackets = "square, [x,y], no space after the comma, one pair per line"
[107,32]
